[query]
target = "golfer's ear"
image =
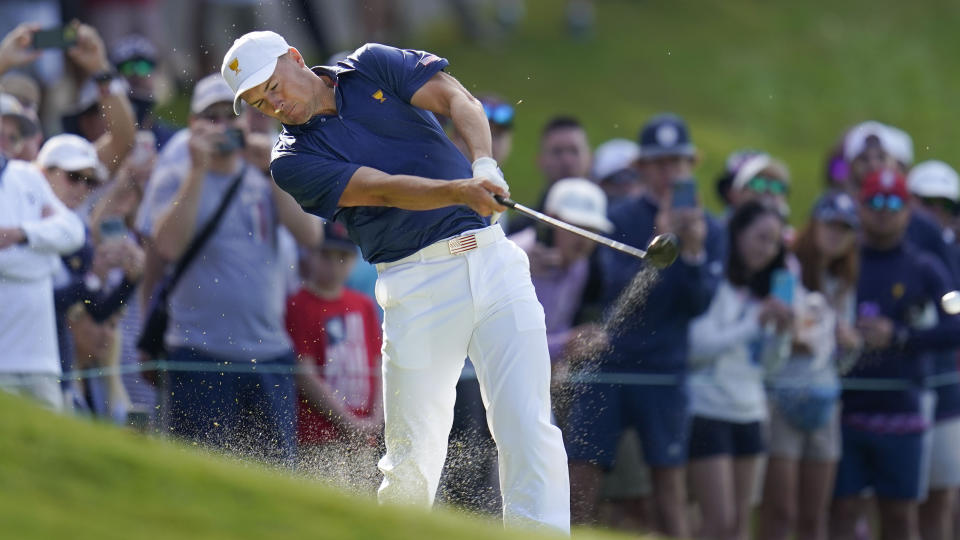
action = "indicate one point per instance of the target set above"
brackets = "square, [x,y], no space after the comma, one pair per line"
[296,56]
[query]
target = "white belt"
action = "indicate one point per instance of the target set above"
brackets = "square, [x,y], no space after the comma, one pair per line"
[458,245]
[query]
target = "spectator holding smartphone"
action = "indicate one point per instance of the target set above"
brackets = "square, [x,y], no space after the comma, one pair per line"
[804,404]
[653,339]
[745,330]
[73,171]
[884,432]
[229,305]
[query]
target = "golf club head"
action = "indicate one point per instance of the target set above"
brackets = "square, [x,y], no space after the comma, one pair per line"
[663,250]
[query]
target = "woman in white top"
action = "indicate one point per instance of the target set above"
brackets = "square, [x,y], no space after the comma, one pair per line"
[804,404]
[743,329]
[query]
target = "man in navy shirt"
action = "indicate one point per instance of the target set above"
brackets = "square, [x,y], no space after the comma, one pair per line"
[902,323]
[652,341]
[361,146]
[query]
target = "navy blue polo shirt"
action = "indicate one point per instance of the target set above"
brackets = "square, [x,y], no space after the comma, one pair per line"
[375,126]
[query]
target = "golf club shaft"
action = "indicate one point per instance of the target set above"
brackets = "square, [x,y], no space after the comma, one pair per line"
[619,246]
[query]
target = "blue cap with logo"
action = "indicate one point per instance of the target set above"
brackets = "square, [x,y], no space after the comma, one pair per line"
[836,206]
[666,135]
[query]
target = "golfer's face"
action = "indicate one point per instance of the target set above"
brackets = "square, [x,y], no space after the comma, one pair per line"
[285,95]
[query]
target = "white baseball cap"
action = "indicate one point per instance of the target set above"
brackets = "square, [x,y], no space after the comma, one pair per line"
[580,202]
[901,145]
[209,90]
[894,141]
[71,153]
[934,179]
[614,156]
[760,163]
[251,61]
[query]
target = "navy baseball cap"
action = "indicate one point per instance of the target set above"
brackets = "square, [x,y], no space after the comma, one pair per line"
[836,206]
[335,237]
[666,135]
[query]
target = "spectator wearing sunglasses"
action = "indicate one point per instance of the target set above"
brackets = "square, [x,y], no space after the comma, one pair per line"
[899,315]
[763,179]
[872,146]
[73,170]
[135,59]
[935,188]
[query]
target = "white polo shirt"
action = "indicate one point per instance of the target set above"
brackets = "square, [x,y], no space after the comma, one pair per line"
[28,330]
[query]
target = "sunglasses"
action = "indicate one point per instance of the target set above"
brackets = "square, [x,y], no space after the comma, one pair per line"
[500,114]
[761,184]
[139,67]
[77,177]
[893,203]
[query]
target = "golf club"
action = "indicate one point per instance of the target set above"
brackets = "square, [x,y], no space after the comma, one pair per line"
[661,251]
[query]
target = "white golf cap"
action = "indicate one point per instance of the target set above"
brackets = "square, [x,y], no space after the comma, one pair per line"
[580,202]
[901,145]
[858,138]
[614,156]
[934,179]
[251,61]
[755,165]
[71,153]
[209,90]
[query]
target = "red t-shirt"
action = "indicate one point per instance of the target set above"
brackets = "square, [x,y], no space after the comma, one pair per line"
[343,336]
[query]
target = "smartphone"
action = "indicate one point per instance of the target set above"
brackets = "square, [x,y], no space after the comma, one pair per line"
[868,310]
[782,285]
[60,37]
[231,142]
[111,228]
[684,194]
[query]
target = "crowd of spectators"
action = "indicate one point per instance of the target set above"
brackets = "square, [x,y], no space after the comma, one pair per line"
[774,383]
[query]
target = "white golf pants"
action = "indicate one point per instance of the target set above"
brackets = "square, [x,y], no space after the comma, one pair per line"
[438,309]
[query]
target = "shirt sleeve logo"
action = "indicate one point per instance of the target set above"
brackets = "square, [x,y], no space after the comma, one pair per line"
[378,95]
[428,59]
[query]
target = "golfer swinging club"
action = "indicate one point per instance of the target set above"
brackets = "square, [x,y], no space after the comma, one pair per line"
[360,145]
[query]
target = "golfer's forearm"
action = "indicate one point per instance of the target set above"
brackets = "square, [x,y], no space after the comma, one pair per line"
[176,227]
[369,187]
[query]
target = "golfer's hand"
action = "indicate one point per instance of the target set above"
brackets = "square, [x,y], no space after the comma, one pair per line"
[487,167]
[477,193]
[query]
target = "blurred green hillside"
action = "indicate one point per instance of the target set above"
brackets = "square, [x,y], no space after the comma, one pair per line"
[786,77]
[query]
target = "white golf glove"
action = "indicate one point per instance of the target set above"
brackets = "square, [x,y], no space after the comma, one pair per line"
[487,167]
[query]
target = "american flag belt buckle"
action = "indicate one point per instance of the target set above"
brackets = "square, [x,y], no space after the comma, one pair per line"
[462,244]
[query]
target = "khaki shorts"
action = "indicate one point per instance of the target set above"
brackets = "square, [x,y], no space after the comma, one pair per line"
[945,454]
[789,442]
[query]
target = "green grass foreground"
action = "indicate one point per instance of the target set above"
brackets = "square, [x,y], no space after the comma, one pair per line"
[64,477]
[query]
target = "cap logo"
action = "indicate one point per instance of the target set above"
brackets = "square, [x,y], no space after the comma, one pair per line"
[667,135]
[234,66]
[378,95]
[887,179]
[844,202]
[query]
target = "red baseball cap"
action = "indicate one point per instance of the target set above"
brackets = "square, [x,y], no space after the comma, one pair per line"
[884,182]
